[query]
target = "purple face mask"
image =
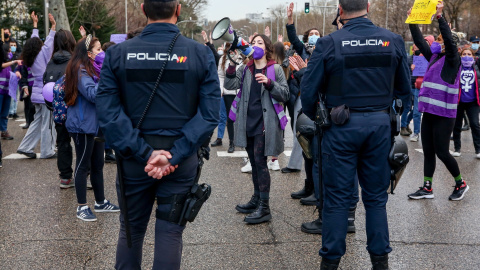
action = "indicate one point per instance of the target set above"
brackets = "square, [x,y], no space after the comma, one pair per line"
[467,61]
[258,53]
[436,48]
[99,58]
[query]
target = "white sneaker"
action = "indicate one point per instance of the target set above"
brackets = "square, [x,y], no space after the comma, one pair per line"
[247,168]
[456,154]
[478,155]
[414,137]
[273,165]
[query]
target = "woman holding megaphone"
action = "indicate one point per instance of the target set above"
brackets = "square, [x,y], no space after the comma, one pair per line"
[260,120]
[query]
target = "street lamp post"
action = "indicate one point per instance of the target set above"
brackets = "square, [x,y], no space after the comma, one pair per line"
[250,29]
[186,22]
[256,24]
[324,11]
[271,26]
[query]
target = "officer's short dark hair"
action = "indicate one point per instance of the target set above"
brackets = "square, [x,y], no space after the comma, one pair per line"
[158,10]
[353,5]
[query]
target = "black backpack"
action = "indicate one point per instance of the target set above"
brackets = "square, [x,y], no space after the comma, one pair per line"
[53,72]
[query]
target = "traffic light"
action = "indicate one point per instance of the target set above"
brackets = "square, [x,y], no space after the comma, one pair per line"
[307,7]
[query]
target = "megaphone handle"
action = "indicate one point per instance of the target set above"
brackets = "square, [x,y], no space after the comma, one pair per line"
[230,58]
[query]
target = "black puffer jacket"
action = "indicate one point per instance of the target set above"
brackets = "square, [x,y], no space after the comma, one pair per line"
[56,69]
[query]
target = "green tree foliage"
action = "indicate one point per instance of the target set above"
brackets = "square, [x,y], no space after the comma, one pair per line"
[92,14]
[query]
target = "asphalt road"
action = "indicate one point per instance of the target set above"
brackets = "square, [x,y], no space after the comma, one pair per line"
[39,229]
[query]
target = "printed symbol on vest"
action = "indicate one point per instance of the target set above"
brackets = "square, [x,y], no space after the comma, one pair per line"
[467,80]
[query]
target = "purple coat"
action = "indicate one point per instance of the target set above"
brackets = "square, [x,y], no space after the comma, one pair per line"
[39,66]
[437,96]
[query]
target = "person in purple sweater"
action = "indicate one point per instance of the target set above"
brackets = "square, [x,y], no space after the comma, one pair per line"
[5,98]
[41,129]
[469,102]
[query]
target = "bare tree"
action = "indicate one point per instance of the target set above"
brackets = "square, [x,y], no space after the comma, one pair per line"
[59,11]
[453,9]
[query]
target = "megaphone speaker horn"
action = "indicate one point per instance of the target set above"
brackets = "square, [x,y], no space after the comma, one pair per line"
[223,30]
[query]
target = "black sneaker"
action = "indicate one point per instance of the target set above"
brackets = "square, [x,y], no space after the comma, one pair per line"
[29,155]
[459,192]
[422,193]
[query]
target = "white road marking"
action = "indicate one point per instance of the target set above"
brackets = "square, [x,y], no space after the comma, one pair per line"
[244,154]
[21,120]
[419,150]
[19,156]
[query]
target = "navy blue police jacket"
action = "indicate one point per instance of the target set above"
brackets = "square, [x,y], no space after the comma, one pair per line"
[186,104]
[361,65]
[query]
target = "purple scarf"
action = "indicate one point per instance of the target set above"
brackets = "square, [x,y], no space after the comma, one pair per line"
[97,67]
[282,117]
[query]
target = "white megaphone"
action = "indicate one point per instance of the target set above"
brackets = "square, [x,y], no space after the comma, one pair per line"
[223,30]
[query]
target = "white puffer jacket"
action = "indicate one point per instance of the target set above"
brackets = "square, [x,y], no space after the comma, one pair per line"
[221,76]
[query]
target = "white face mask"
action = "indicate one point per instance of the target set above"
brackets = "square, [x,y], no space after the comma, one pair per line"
[220,52]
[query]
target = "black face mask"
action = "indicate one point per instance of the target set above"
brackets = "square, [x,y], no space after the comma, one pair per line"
[417,53]
[6,35]
[342,21]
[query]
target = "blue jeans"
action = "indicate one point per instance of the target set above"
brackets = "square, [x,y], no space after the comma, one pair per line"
[13,106]
[415,114]
[407,107]
[5,100]
[223,120]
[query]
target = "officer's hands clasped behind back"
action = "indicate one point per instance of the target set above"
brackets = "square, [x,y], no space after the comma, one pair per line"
[158,164]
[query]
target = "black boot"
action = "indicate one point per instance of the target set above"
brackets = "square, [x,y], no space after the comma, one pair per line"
[231,148]
[305,192]
[314,227]
[110,156]
[329,264]
[262,214]
[217,142]
[351,220]
[310,200]
[250,206]
[379,262]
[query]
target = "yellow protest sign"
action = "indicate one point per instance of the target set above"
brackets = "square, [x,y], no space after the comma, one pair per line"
[423,12]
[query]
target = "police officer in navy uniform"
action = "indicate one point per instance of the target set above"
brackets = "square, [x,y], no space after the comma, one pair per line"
[183,114]
[363,67]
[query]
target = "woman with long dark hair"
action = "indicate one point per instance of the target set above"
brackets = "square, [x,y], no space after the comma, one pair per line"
[259,120]
[63,46]
[36,55]
[81,82]
[438,100]
[469,102]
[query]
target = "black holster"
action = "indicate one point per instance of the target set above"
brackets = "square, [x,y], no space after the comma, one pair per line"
[185,207]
